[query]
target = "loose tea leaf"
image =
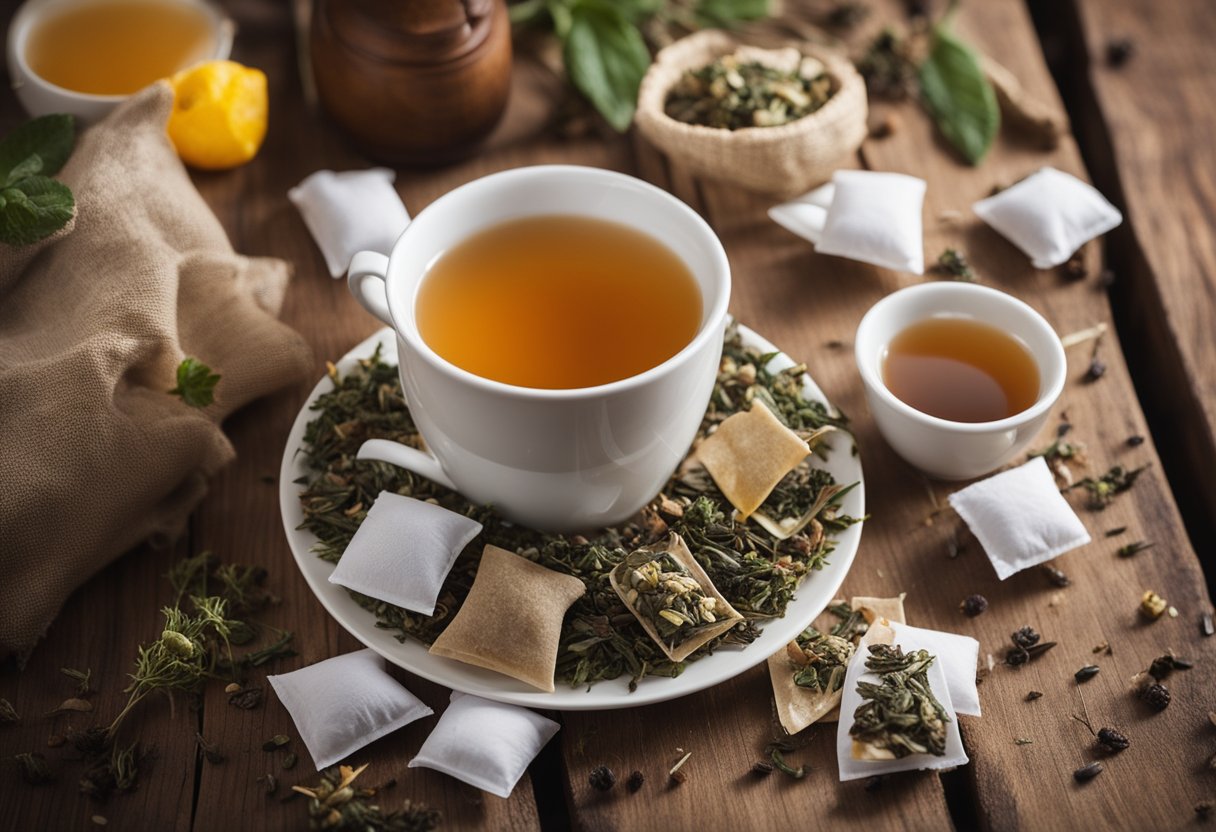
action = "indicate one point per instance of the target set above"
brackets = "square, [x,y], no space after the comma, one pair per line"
[959,96]
[601,639]
[8,714]
[1133,548]
[954,263]
[1086,773]
[888,68]
[776,752]
[34,768]
[899,715]
[731,94]
[337,804]
[1105,488]
[195,383]
[82,678]
[820,660]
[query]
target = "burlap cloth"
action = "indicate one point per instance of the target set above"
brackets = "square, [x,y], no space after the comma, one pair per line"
[95,455]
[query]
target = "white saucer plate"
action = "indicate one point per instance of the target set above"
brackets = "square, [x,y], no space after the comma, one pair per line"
[815,593]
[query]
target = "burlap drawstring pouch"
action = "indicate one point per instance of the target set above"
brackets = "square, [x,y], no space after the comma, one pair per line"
[96,455]
[785,160]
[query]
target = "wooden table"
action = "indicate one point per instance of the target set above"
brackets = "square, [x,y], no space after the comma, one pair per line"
[1147,127]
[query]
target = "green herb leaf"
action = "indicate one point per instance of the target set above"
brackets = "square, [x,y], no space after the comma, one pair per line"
[195,383]
[606,58]
[527,12]
[50,138]
[726,12]
[959,97]
[34,208]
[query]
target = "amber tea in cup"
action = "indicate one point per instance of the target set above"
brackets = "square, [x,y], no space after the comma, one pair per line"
[116,47]
[961,370]
[558,302]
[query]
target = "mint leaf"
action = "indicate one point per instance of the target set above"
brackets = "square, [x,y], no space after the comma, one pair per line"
[34,208]
[195,383]
[725,12]
[606,58]
[50,138]
[960,99]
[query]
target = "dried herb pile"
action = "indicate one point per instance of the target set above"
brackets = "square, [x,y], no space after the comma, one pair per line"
[733,94]
[601,639]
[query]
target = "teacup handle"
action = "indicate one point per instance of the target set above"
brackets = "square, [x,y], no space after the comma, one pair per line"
[411,459]
[366,280]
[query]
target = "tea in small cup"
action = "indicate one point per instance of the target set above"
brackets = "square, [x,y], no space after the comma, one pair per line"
[959,378]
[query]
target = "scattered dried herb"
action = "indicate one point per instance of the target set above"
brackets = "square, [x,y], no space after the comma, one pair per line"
[195,383]
[1157,696]
[820,659]
[635,781]
[776,751]
[1075,268]
[954,263]
[1086,673]
[874,783]
[677,773]
[600,640]
[335,803]
[289,761]
[74,704]
[1113,740]
[1131,549]
[276,742]
[270,783]
[973,605]
[848,14]
[1135,441]
[1105,488]
[1033,695]
[731,94]
[1027,645]
[900,714]
[1056,577]
[1207,626]
[888,68]
[1152,605]
[762,768]
[1119,51]
[1115,532]
[1095,371]
[1022,741]
[602,778]
[82,678]
[34,768]
[8,714]
[246,698]
[1086,773]
[208,750]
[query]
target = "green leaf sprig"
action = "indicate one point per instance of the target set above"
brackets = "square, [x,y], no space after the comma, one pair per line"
[604,45]
[195,383]
[32,205]
[958,95]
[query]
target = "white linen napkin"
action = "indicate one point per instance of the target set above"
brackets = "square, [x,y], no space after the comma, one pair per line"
[341,704]
[1020,517]
[349,212]
[851,769]
[870,216]
[486,744]
[1049,215]
[403,551]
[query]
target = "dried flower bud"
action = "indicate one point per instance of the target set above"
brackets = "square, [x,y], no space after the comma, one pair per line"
[1152,605]
[177,643]
[602,778]
[1112,739]
[1157,696]
[973,605]
[635,781]
[1025,638]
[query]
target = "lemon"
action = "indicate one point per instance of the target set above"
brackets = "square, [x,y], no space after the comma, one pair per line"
[219,114]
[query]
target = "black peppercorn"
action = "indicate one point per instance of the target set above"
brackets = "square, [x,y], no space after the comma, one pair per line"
[1119,51]
[602,778]
[1135,441]
[635,781]
[1096,370]
[1157,696]
[973,605]
[1112,739]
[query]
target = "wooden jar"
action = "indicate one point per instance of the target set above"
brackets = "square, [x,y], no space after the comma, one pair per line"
[413,82]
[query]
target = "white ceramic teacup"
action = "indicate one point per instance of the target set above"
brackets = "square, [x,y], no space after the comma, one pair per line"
[557,460]
[939,447]
[40,97]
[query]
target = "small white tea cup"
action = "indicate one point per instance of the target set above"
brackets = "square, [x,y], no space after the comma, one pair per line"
[40,97]
[556,460]
[941,448]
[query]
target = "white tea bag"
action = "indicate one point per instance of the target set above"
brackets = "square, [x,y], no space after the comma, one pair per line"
[342,704]
[403,551]
[349,212]
[1020,517]
[959,656]
[1049,215]
[486,744]
[856,769]
[863,215]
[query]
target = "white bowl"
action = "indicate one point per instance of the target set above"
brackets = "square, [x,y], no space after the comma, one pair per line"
[939,447]
[40,97]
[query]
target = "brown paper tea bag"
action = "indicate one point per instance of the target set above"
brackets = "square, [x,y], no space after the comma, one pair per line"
[799,707]
[670,570]
[511,620]
[748,455]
